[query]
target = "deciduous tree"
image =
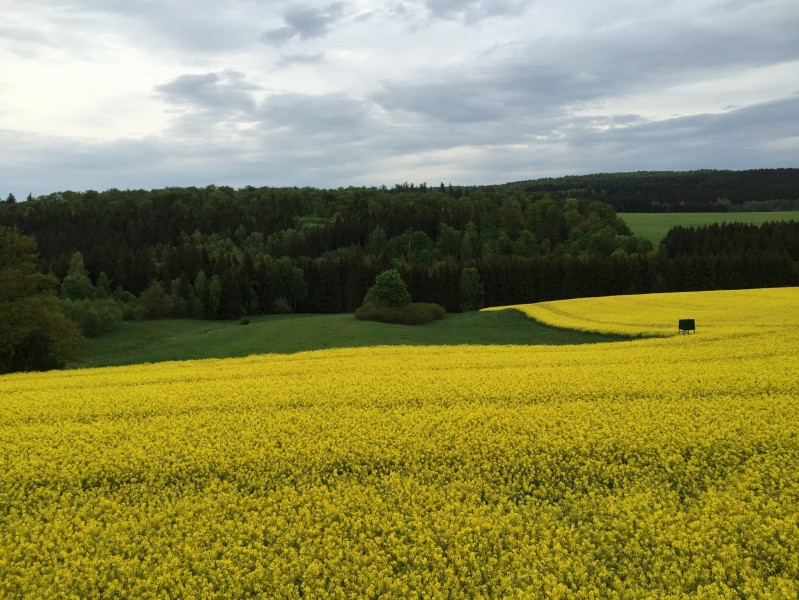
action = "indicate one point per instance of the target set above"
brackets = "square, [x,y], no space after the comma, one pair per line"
[34,334]
[388,290]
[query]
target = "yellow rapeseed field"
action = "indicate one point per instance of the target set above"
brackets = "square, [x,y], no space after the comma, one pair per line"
[665,467]
[720,313]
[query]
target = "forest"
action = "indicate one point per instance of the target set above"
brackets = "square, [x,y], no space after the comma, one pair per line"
[224,253]
[678,191]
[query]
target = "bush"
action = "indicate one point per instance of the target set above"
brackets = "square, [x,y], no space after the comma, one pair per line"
[418,313]
[93,316]
[244,321]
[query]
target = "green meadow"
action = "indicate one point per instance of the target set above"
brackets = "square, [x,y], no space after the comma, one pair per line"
[184,339]
[654,226]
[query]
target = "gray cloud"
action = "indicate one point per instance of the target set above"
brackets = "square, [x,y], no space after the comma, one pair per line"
[666,49]
[314,58]
[225,91]
[758,125]
[750,137]
[330,141]
[305,22]
[475,10]
[422,12]
[543,78]
[325,114]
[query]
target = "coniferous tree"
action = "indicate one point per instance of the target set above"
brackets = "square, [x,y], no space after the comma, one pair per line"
[471,289]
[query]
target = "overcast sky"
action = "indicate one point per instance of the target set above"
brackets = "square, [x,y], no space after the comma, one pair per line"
[96,94]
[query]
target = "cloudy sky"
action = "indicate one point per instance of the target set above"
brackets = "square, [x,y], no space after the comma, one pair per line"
[96,94]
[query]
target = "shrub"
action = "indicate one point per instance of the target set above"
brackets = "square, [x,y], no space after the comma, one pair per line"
[93,316]
[418,313]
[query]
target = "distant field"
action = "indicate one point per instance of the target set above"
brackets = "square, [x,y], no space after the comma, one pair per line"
[183,339]
[654,226]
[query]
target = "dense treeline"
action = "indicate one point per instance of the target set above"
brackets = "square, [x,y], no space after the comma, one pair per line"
[216,252]
[732,255]
[669,191]
[733,238]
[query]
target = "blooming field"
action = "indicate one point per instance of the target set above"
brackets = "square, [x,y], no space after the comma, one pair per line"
[663,467]
[719,313]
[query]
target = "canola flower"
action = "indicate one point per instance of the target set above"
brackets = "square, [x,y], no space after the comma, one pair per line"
[723,313]
[665,467]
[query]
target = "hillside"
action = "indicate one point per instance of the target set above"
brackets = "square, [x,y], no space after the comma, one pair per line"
[216,253]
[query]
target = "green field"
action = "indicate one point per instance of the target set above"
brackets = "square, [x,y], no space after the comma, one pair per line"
[654,226]
[179,339]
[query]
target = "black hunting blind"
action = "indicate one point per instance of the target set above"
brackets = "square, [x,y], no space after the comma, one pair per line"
[687,325]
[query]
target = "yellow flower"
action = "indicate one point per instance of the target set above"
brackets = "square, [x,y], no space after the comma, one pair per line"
[644,468]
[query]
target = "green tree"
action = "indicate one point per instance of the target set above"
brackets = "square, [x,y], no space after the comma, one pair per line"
[291,282]
[129,305]
[525,244]
[644,246]
[103,287]
[34,333]
[214,296]
[77,285]
[449,241]
[602,242]
[377,242]
[109,313]
[503,245]
[419,242]
[180,290]
[470,244]
[471,289]
[511,217]
[155,301]
[94,315]
[388,290]
[201,294]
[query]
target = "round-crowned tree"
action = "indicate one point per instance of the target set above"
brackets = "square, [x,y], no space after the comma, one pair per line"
[388,290]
